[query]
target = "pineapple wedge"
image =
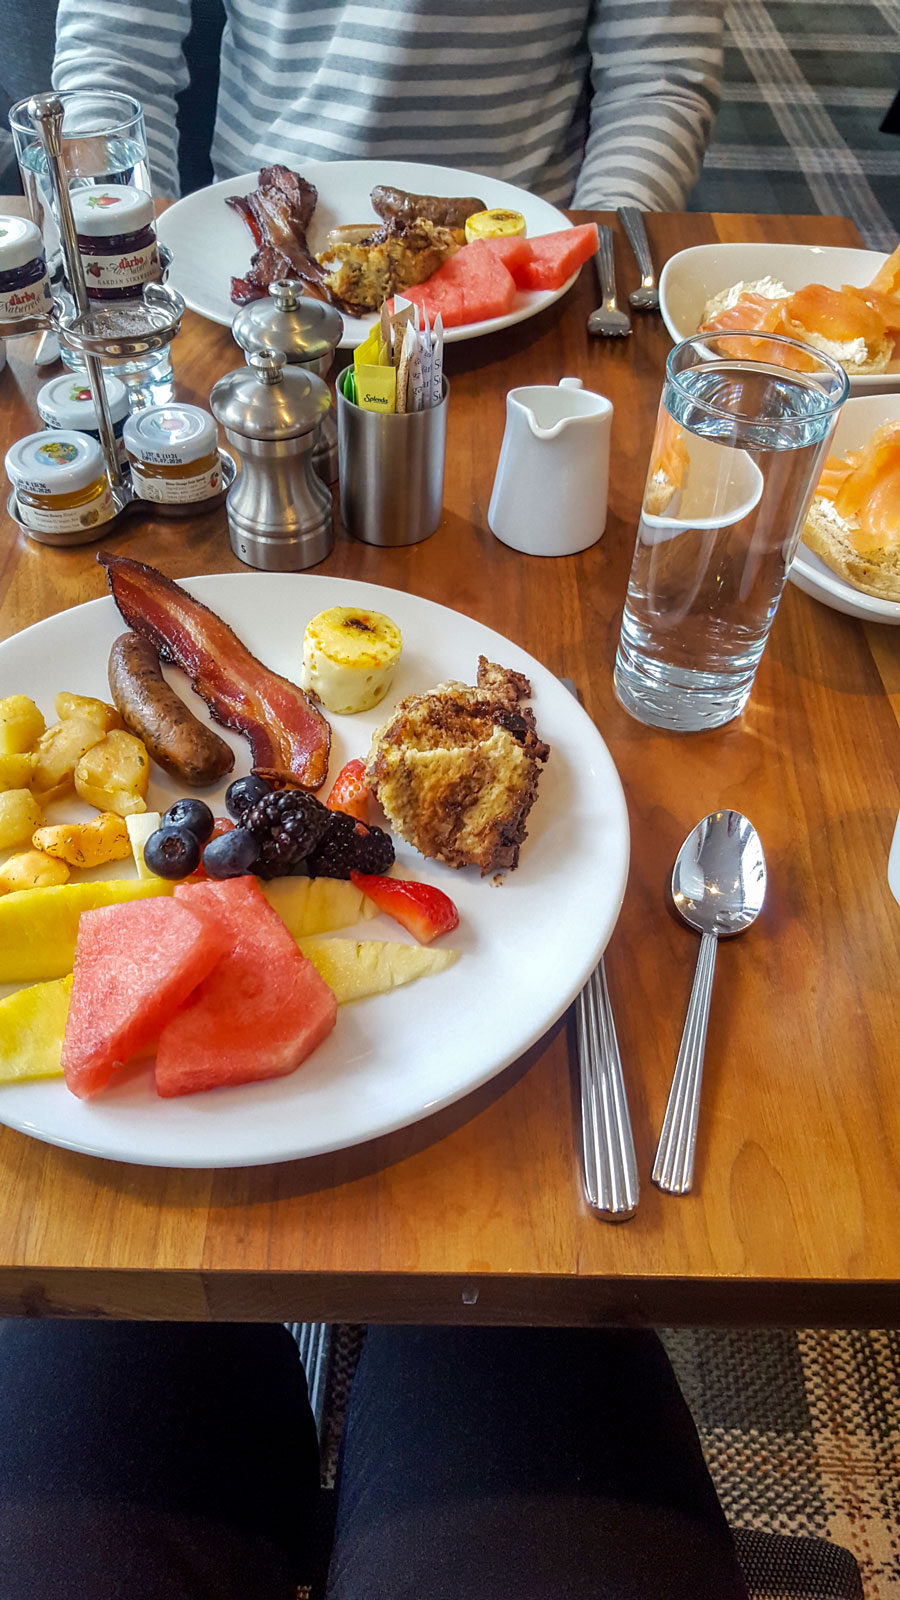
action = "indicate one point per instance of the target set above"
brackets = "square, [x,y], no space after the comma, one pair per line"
[355,968]
[39,927]
[32,1025]
[317,905]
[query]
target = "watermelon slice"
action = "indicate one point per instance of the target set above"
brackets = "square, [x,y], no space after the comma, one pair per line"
[134,964]
[472,286]
[512,252]
[261,1010]
[555,256]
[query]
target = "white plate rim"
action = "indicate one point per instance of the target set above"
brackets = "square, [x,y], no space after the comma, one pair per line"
[355,330]
[615,855]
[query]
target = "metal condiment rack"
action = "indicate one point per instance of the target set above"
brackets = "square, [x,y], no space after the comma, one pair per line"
[119,331]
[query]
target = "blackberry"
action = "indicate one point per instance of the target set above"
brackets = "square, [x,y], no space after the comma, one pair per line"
[349,846]
[287,826]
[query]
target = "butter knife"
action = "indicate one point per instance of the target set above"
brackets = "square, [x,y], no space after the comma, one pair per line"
[609,1166]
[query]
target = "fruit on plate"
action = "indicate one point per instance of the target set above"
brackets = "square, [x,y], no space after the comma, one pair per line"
[39,927]
[309,906]
[20,814]
[287,734]
[31,869]
[140,825]
[349,658]
[151,709]
[420,908]
[495,224]
[21,724]
[355,968]
[32,1025]
[134,964]
[113,774]
[472,286]
[262,1009]
[350,792]
[555,256]
[85,844]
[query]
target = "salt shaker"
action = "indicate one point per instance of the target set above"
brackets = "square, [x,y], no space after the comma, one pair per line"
[309,332]
[280,515]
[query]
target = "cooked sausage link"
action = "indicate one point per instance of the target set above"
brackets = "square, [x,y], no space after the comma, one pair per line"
[444,211]
[149,707]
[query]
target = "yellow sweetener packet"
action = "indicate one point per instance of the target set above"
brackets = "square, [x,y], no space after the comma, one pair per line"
[376,388]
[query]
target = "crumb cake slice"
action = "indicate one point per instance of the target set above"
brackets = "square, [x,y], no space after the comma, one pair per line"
[456,770]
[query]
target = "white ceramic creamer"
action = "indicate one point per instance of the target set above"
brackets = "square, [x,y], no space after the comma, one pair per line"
[549,495]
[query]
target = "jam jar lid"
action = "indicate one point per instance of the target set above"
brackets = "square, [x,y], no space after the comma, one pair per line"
[57,462]
[170,435]
[67,402]
[289,320]
[111,208]
[268,400]
[20,243]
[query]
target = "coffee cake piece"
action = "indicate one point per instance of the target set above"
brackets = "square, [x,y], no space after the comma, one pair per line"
[456,770]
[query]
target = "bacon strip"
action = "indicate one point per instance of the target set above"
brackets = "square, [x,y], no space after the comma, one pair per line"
[288,736]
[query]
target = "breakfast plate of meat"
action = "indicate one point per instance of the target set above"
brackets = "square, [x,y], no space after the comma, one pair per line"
[353,232]
[490,792]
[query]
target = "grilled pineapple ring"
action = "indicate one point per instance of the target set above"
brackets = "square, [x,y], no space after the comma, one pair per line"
[349,658]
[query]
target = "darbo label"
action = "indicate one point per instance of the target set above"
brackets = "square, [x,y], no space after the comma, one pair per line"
[123,271]
[177,491]
[30,302]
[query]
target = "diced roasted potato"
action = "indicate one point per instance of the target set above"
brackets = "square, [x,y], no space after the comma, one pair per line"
[83,705]
[20,814]
[21,724]
[31,870]
[86,844]
[113,774]
[16,770]
[58,752]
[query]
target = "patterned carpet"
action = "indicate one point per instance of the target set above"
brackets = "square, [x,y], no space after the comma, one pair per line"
[802,1435]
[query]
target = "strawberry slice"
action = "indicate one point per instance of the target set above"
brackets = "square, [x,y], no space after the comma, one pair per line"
[350,792]
[422,910]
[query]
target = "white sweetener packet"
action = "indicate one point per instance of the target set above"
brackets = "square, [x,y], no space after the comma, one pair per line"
[427,353]
[437,360]
[413,352]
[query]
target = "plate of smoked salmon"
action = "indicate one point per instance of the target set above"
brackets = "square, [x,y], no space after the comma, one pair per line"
[845,303]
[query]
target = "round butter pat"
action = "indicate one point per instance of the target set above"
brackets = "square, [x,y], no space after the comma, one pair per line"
[349,658]
[495,225]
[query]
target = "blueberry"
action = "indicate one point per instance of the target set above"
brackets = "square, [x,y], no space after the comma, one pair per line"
[193,815]
[231,855]
[172,852]
[242,793]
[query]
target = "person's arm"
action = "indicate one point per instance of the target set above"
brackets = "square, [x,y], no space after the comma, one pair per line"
[656,74]
[137,49]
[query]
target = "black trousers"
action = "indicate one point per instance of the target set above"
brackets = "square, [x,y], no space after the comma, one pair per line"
[179,1462]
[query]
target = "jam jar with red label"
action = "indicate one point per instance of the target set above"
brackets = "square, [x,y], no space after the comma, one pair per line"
[24,287]
[116,240]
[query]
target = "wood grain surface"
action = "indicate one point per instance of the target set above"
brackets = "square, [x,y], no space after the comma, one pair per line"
[478,1214]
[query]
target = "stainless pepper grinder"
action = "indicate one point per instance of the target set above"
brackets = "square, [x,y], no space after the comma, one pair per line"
[309,332]
[280,515]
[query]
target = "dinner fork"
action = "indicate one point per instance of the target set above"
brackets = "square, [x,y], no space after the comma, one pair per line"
[646,298]
[607,320]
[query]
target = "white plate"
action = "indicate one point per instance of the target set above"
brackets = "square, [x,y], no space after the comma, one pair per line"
[210,243]
[856,424]
[691,278]
[527,944]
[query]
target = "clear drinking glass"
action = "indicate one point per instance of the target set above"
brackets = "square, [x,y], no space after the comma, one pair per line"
[103,141]
[739,444]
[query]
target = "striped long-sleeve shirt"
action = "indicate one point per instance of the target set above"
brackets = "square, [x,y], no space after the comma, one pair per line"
[586,102]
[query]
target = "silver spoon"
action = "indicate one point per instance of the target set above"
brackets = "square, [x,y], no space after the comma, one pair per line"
[718,886]
[646,298]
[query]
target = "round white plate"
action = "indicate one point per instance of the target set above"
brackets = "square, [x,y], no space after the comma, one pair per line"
[691,278]
[527,943]
[210,243]
[856,424]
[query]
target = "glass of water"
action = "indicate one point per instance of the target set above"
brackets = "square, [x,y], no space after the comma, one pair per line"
[740,441]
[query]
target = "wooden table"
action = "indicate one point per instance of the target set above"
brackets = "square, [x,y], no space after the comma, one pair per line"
[477,1215]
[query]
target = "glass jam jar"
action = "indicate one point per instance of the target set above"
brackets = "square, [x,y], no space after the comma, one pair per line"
[60,481]
[67,403]
[174,454]
[116,240]
[24,285]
